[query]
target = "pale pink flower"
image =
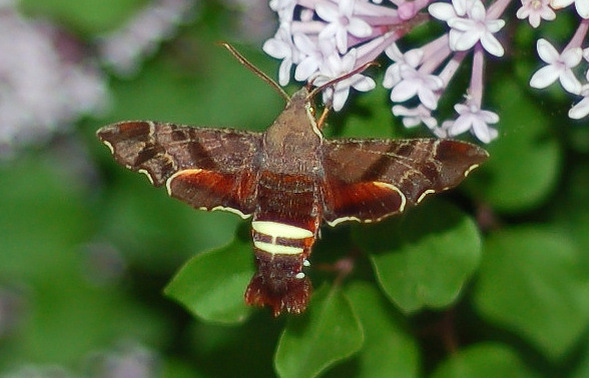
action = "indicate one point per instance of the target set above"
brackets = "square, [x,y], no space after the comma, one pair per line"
[535,11]
[472,118]
[336,66]
[341,22]
[559,67]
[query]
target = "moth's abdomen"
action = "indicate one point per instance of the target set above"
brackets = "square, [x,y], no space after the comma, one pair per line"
[284,230]
[281,252]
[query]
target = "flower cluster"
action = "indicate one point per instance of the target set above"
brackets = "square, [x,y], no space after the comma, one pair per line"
[560,66]
[44,83]
[47,81]
[326,39]
[125,48]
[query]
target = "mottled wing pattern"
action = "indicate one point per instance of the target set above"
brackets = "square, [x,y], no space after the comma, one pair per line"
[370,179]
[208,168]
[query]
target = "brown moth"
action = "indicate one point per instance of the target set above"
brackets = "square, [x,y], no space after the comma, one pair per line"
[289,180]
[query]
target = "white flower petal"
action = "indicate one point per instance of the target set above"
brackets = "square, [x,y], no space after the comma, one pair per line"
[544,77]
[493,26]
[326,11]
[549,15]
[428,98]
[477,11]
[328,31]
[284,72]
[276,49]
[454,37]
[394,53]
[522,12]
[306,69]
[392,76]
[557,4]
[488,116]
[410,122]
[462,24]
[569,82]
[580,110]
[403,91]
[572,57]
[304,43]
[441,11]
[582,8]
[534,21]
[462,6]
[339,98]
[483,132]
[467,40]
[492,45]
[346,7]
[546,51]
[461,108]
[460,125]
[359,28]
[413,57]
[364,84]
[341,40]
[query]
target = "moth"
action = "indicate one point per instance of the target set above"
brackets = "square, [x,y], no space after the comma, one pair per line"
[289,180]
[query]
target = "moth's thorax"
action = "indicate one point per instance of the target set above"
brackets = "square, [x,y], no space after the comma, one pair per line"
[292,145]
[296,124]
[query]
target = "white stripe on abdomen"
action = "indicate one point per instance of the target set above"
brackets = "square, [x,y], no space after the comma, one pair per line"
[277,249]
[276,230]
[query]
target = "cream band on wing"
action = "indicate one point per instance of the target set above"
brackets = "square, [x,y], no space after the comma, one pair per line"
[183,172]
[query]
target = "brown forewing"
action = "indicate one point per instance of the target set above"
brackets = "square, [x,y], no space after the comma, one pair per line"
[225,157]
[416,167]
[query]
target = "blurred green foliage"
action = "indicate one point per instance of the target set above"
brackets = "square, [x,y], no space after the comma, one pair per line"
[491,280]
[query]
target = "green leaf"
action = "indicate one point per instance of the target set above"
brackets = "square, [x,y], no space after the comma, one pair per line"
[582,370]
[159,233]
[211,284]
[571,211]
[483,360]
[327,332]
[239,351]
[423,258]
[389,349]
[525,160]
[531,283]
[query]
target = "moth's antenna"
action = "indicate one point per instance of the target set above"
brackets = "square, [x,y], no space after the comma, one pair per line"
[255,70]
[330,83]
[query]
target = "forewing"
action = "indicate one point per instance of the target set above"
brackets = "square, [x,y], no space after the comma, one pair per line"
[207,168]
[367,180]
